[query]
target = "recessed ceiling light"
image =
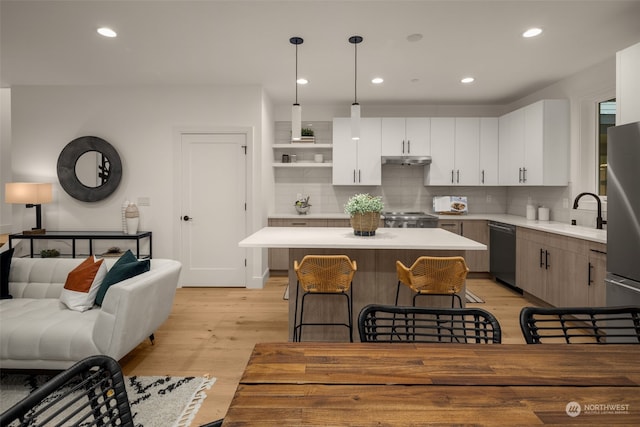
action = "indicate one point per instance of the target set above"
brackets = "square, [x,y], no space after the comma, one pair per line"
[302,81]
[107,32]
[377,80]
[414,37]
[468,80]
[532,32]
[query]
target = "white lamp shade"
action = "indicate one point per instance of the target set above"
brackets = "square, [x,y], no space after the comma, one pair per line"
[296,122]
[355,121]
[28,193]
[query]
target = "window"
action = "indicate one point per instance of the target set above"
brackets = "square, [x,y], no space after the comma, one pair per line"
[606,119]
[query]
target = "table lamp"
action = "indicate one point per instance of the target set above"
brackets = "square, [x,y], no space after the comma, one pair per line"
[32,195]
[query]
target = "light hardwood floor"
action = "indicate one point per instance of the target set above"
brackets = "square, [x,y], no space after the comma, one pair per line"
[212,331]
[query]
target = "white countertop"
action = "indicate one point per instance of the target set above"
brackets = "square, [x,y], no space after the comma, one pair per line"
[343,237]
[576,231]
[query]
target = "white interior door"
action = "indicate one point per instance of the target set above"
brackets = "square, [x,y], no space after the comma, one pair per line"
[213,209]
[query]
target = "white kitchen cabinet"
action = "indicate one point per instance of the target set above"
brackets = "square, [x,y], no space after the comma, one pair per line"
[534,145]
[455,151]
[489,151]
[406,136]
[357,162]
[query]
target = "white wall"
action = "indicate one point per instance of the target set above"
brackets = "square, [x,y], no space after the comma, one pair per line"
[628,85]
[5,157]
[140,123]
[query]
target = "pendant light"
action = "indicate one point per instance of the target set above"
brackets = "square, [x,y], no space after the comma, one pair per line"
[296,110]
[355,107]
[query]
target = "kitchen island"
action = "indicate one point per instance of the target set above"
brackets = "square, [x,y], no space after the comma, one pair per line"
[375,281]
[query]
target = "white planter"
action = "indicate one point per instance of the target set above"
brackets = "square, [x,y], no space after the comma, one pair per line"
[132,225]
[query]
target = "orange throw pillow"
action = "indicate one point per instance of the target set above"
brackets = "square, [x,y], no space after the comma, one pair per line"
[82,284]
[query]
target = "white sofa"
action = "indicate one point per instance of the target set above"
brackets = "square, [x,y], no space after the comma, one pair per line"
[37,331]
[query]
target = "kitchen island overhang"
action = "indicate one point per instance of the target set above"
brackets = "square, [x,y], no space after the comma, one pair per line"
[375,280]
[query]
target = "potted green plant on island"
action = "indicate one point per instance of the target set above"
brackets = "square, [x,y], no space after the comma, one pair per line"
[364,211]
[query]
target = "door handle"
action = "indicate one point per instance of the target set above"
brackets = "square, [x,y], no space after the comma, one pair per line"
[187,218]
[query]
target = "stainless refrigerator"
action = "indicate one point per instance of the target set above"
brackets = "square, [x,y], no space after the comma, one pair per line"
[623,215]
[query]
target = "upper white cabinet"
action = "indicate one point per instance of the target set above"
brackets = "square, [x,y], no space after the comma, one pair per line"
[489,151]
[534,145]
[463,151]
[357,162]
[406,136]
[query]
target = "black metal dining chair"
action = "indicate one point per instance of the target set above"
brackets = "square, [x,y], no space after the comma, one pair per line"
[394,324]
[581,325]
[91,392]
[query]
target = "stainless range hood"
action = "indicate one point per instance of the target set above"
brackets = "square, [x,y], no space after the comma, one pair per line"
[406,160]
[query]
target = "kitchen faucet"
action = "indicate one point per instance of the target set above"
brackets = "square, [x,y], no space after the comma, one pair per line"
[599,220]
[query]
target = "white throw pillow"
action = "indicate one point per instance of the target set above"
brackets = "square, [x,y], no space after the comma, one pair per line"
[82,284]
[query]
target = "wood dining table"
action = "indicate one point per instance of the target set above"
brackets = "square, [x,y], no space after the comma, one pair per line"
[364,384]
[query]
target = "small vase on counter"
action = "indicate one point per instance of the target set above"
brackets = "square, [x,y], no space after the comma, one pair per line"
[132,216]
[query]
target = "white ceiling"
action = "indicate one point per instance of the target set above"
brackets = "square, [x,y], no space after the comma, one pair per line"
[238,42]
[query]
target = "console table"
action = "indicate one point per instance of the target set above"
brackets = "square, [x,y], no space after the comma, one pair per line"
[84,235]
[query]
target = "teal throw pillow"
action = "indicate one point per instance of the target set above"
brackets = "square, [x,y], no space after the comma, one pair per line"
[126,267]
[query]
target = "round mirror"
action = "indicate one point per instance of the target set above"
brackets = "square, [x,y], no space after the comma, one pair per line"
[89,169]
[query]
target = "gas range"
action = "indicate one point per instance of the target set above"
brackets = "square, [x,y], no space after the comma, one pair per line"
[410,220]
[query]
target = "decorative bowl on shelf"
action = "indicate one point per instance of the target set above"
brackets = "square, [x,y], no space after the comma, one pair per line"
[302,210]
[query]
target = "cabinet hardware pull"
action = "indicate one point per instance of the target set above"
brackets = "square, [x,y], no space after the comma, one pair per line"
[354,175]
[524,174]
[546,260]
[541,260]
[403,146]
[589,281]
[458,176]
[482,176]
[452,181]
[408,146]
[520,175]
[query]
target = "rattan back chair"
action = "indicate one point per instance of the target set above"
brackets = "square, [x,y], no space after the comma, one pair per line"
[393,324]
[323,275]
[581,325]
[91,392]
[433,276]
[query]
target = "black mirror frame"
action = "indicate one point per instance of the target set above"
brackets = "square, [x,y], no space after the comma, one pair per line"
[67,169]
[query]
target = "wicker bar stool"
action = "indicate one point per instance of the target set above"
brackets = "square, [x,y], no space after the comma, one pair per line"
[324,275]
[433,276]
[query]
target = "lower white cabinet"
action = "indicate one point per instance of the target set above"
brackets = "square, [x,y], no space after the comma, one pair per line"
[357,162]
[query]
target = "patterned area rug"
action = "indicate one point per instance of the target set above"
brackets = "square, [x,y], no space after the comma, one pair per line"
[155,401]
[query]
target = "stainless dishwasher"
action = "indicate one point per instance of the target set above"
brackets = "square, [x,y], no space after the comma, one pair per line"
[502,254]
